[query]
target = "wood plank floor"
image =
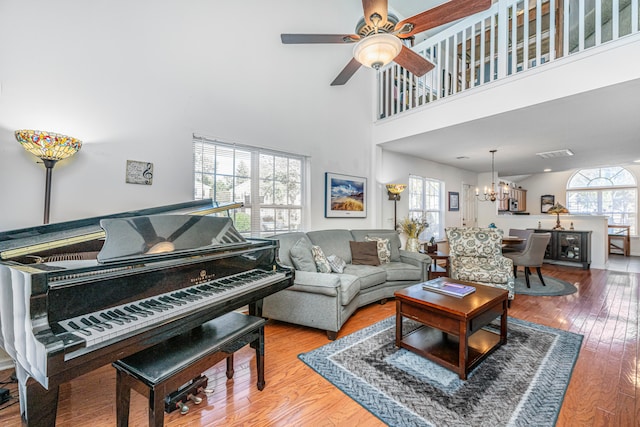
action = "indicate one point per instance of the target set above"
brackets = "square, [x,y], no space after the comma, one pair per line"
[604,389]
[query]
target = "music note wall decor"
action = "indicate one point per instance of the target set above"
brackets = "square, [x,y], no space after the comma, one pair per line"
[139,172]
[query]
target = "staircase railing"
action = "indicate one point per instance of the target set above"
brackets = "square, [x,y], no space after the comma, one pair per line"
[510,37]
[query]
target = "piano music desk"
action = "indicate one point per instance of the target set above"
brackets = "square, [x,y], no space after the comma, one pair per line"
[163,368]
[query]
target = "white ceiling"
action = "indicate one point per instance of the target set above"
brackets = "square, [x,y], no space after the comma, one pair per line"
[601,127]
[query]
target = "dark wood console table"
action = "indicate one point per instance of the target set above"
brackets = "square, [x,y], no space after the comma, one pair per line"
[568,246]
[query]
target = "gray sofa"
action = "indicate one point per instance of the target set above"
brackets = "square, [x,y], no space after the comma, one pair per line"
[326,300]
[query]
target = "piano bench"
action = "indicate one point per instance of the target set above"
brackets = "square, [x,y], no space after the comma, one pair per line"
[163,368]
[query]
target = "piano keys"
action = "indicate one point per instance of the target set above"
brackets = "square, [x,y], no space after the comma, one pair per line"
[78,295]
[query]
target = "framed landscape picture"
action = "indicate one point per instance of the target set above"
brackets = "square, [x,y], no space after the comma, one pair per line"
[345,196]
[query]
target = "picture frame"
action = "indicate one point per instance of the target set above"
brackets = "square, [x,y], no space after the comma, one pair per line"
[345,196]
[139,172]
[546,202]
[454,201]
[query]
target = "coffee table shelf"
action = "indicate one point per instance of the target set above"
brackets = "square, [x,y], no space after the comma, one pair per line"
[443,348]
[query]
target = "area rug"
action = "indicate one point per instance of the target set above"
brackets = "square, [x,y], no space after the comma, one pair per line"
[555,287]
[522,383]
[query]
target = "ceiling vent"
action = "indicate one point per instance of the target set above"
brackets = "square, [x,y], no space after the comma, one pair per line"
[556,153]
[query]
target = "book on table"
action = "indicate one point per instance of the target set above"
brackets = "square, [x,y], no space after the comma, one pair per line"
[447,287]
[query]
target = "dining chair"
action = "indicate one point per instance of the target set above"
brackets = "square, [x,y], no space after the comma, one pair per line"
[531,256]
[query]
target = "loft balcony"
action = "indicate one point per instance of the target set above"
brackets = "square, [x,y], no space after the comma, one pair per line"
[511,41]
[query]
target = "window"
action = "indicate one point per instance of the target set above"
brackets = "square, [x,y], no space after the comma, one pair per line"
[426,203]
[269,183]
[610,191]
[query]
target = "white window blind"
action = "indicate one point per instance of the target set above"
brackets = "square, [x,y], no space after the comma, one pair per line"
[270,184]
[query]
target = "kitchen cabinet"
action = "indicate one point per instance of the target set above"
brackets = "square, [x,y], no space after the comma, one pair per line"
[519,195]
[568,246]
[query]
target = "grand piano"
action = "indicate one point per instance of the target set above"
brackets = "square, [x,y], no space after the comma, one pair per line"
[77,295]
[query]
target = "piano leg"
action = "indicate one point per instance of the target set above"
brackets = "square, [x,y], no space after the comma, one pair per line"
[38,406]
[255,308]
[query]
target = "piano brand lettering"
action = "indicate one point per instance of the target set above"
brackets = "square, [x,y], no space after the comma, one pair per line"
[203,277]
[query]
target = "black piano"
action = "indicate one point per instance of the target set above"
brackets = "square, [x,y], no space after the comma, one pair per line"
[78,295]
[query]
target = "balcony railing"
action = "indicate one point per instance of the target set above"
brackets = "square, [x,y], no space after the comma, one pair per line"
[510,37]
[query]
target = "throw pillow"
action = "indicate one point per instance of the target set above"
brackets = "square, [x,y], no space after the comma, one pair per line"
[321,261]
[301,256]
[384,250]
[337,264]
[364,253]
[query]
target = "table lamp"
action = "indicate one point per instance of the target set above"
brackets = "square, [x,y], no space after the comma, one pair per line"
[558,209]
[49,147]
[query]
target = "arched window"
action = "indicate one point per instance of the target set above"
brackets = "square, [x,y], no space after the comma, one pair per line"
[610,191]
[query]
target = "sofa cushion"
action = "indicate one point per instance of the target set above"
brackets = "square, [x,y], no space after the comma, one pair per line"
[322,264]
[334,242]
[393,236]
[398,271]
[301,256]
[369,275]
[384,251]
[349,287]
[286,242]
[364,253]
[337,264]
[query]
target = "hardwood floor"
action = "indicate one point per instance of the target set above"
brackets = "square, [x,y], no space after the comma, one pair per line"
[604,389]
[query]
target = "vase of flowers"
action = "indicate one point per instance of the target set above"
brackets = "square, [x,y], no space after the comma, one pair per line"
[412,227]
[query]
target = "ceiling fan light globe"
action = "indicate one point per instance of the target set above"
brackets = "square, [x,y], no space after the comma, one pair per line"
[377,50]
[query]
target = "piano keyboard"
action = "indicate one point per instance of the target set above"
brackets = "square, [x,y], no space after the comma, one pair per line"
[128,319]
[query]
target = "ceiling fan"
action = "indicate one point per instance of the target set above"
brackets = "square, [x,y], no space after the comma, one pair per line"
[378,35]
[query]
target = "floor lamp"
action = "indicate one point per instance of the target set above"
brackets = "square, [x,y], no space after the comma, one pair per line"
[50,148]
[394,190]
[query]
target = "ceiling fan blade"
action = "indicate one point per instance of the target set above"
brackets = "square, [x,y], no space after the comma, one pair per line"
[413,62]
[318,38]
[346,73]
[443,14]
[375,6]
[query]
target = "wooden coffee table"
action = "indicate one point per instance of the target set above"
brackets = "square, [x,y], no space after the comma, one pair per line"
[452,333]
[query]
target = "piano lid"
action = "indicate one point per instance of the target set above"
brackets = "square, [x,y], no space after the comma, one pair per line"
[152,236]
[17,243]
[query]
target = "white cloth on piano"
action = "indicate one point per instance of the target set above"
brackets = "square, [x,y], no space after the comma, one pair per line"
[17,329]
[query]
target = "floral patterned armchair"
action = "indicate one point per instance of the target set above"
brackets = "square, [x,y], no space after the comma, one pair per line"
[475,255]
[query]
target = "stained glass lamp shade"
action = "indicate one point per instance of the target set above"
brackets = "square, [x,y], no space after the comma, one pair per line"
[50,147]
[558,209]
[393,191]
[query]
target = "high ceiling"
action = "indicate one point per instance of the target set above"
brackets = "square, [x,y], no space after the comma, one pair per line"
[601,127]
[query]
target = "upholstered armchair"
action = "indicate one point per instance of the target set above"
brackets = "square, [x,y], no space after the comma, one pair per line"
[475,255]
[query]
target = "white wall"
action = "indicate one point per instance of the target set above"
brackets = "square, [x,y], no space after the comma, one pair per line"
[396,168]
[135,80]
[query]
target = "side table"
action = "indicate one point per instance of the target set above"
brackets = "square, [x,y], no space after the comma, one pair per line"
[436,270]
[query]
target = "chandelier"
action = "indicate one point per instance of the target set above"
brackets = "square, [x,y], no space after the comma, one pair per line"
[490,194]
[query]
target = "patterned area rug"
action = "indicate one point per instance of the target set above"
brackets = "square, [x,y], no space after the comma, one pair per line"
[554,287]
[522,383]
